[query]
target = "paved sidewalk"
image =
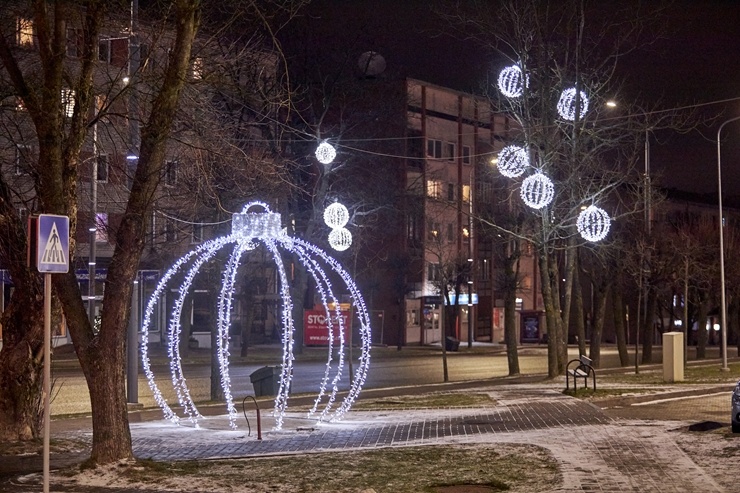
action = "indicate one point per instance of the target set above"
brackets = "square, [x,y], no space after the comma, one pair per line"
[596,452]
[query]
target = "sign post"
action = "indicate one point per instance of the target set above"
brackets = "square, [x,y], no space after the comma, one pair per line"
[52,256]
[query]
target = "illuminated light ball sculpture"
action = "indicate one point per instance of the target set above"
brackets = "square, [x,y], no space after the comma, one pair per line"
[537,191]
[513,161]
[325,153]
[567,104]
[248,231]
[511,81]
[336,215]
[593,223]
[340,239]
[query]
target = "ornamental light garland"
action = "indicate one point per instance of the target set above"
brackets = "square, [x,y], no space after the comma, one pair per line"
[336,215]
[593,223]
[511,81]
[340,239]
[513,161]
[325,153]
[250,229]
[567,104]
[537,191]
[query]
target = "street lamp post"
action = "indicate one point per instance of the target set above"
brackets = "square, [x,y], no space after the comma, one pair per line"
[722,246]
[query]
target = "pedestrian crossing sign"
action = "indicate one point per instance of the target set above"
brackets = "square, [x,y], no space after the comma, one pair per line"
[52,255]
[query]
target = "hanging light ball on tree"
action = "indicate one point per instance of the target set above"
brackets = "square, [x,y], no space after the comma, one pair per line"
[513,161]
[511,81]
[340,239]
[567,104]
[537,191]
[593,223]
[336,215]
[325,153]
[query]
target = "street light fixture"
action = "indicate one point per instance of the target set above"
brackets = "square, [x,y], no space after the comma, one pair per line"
[722,246]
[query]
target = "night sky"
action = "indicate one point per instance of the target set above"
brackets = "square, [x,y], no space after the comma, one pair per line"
[696,61]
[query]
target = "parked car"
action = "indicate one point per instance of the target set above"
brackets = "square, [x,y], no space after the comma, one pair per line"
[736,409]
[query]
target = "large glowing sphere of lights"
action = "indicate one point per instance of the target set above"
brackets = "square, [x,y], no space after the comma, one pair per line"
[336,215]
[340,239]
[537,191]
[325,153]
[511,81]
[513,161]
[593,223]
[567,104]
[248,231]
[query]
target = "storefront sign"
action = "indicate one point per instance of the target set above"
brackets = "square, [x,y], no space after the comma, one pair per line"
[316,328]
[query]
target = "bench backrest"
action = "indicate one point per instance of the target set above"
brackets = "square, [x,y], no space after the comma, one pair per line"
[585,360]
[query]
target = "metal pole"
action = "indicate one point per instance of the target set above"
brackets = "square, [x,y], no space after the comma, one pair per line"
[47,376]
[93,223]
[722,248]
[132,354]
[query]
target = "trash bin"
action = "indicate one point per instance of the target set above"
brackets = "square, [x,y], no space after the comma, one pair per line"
[266,380]
[451,344]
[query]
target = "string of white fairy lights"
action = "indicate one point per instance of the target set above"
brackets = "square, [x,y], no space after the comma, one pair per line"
[248,229]
[537,190]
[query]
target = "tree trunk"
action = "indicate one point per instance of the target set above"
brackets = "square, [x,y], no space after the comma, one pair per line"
[702,334]
[555,367]
[648,328]
[619,326]
[598,324]
[579,314]
[21,366]
[512,354]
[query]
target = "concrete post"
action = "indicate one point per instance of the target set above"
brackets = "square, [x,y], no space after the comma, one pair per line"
[673,357]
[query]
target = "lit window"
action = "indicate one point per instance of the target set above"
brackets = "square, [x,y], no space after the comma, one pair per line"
[24,32]
[434,189]
[68,102]
[466,193]
[198,69]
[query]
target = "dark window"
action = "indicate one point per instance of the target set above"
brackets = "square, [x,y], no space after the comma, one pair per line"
[74,42]
[23,159]
[434,148]
[102,168]
[450,151]
[466,154]
[170,173]
[197,236]
[451,192]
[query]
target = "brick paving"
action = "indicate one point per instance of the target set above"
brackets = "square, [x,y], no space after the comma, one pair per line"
[596,451]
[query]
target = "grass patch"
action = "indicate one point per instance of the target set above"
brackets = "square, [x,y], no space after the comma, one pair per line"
[605,393]
[692,375]
[501,467]
[425,401]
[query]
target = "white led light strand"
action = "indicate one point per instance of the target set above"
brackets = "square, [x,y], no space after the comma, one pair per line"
[336,215]
[224,322]
[286,375]
[537,191]
[513,161]
[153,300]
[248,230]
[325,153]
[593,223]
[511,81]
[365,331]
[567,104]
[316,271]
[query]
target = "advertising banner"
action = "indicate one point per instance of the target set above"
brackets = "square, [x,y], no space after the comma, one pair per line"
[316,328]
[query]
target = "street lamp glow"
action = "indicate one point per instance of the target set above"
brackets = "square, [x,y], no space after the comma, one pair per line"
[611,104]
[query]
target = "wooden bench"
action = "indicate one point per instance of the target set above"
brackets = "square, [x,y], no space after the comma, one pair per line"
[582,369]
